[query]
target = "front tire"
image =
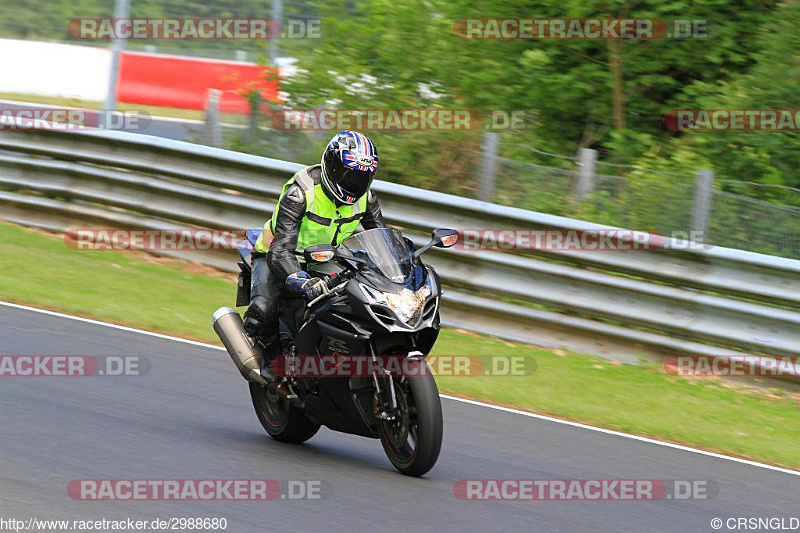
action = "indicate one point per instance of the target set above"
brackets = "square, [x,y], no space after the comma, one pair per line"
[279,417]
[413,442]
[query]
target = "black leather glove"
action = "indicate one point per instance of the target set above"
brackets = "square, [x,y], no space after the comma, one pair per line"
[310,287]
[373,218]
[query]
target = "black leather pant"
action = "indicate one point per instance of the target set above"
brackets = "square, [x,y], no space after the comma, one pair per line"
[261,317]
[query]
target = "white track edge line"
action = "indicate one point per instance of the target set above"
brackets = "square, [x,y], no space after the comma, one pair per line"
[624,435]
[110,325]
[445,396]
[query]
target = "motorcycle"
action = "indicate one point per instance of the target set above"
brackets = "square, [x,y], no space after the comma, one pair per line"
[382,304]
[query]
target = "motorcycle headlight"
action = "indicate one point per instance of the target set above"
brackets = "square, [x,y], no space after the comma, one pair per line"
[406,304]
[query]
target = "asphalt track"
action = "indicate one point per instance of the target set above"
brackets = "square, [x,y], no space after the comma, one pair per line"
[190,417]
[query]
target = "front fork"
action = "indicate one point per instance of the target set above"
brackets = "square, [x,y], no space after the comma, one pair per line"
[385,395]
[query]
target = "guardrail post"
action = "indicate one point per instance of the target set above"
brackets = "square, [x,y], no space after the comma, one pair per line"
[252,128]
[587,158]
[121,9]
[277,16]
[213,136]
[488,166]
[701,206]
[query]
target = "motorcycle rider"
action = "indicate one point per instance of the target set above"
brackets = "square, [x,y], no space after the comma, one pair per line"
[321,204]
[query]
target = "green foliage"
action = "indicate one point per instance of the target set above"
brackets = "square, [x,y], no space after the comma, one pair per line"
[389,55]
[770,157]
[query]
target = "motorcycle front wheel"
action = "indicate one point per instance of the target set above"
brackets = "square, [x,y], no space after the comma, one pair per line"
[413,440]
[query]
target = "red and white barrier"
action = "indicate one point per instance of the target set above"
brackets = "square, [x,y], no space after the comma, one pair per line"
[82,72]
[174,81]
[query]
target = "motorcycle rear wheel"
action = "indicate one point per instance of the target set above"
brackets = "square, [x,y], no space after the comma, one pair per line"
[281,420]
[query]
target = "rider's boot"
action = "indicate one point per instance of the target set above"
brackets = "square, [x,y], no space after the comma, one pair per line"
[270,352]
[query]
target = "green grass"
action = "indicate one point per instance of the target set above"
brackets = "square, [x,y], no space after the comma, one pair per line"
[178,297]
[153,111]
[710,414]
[151,293]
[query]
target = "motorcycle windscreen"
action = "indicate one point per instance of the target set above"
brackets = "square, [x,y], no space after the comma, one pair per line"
[384,251]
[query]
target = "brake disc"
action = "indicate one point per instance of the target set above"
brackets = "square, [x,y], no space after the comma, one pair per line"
[397,429]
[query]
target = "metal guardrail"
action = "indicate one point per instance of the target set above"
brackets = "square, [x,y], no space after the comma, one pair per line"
[618,304]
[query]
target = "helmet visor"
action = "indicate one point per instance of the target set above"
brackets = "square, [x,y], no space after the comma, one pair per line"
[356,183]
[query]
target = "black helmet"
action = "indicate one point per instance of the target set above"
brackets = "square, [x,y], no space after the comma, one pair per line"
[349,163]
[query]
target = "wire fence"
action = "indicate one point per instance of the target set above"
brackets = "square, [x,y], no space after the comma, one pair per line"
[655,201]
[524,185]
[748,223]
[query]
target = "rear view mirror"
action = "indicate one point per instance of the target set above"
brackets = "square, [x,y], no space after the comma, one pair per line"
[444,238]
[441,238]
[319,253]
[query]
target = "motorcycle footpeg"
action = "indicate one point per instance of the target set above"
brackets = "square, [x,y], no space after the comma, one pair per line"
[282,389]
[269,376]
[285,391]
